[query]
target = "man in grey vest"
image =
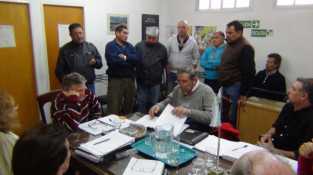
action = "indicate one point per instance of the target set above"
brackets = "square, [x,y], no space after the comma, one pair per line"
[237,69]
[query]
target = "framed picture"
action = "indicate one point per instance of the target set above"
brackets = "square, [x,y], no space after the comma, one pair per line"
[116,19]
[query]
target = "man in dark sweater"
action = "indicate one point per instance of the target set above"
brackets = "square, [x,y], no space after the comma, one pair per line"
[270,81]
[121,60]
[78,56]
[237,69]
[153,59]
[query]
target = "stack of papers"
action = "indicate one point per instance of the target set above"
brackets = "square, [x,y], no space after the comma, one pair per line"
[144,167]
[96,149]
[166,117]
[229,150]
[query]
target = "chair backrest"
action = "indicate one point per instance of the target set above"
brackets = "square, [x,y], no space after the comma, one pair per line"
[229,132]
[43,100]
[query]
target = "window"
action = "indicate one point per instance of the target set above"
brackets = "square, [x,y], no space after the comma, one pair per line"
[294,2]
[222,4]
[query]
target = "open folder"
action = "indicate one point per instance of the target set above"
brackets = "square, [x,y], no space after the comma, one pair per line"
[166,117]
[94,150]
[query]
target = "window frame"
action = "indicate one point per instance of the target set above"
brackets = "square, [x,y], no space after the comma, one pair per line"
[234,9]
[293,6]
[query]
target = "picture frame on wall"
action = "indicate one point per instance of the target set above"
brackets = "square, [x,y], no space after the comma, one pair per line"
[114,20]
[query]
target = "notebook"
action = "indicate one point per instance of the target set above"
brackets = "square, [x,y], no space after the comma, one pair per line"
[144,167]
[166,117]
[104,145]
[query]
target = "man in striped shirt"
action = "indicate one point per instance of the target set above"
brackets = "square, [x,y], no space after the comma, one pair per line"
[75,104]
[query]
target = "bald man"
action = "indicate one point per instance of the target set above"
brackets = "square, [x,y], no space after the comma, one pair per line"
[260,162]
[183,52]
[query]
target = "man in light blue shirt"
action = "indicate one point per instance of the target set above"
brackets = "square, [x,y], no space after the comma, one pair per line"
[211,59]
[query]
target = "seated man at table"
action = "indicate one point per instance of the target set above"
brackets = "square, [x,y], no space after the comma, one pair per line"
[75,104]
[260,163]
[294,125]
[270,83]
[190,98]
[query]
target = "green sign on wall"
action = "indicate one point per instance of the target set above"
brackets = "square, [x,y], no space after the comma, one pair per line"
[259,32]
[250,24]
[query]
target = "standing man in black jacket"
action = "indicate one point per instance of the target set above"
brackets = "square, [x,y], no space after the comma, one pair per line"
[78,56]
[237,69]
[153,60]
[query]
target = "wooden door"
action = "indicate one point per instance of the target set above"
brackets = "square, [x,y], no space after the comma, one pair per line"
[55,16]
[16,68]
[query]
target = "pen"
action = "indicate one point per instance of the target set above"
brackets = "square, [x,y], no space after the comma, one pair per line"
[105,140]
[244,146]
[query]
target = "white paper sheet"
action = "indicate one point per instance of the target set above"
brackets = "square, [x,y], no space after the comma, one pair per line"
[63,34]
[147,121]
[168,117]
[7,36]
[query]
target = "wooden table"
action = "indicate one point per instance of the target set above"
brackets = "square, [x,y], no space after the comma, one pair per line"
[112,165]
[257,117]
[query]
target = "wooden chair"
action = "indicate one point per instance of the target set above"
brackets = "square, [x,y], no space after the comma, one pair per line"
[43,100]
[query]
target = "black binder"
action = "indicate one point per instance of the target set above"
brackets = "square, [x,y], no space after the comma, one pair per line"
[192,137]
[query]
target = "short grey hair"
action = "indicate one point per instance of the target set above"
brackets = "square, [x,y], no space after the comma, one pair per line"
[185,22]
[307,87]
[73,79]
[191,72]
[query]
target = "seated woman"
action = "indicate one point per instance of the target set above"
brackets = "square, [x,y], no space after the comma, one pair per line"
[43,150]
[8,116]
[270,81]
[211,59]
[305,161]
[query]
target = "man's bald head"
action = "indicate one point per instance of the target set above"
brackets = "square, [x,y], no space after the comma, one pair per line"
[260,163]
[182,28]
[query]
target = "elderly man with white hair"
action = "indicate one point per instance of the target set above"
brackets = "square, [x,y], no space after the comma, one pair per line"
[260,162]
[153,60]
[183,52]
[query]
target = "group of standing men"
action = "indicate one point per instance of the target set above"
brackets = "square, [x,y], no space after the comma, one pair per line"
[148,62]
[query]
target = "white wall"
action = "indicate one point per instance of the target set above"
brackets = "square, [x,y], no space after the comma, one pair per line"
[292,29]
[95,13]
[292,37]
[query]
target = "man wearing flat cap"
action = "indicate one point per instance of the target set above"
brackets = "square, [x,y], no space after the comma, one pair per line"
[153,59]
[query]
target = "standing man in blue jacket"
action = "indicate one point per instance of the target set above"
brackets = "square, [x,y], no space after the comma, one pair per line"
[121,59]
[211,59]
[78,56]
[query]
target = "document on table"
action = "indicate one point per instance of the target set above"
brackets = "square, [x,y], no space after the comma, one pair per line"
[144,167]
[166,117]
[229,150]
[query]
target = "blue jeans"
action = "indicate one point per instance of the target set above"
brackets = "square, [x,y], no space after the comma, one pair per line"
[233,91]
[147,97]
[171,81]
[91,87]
